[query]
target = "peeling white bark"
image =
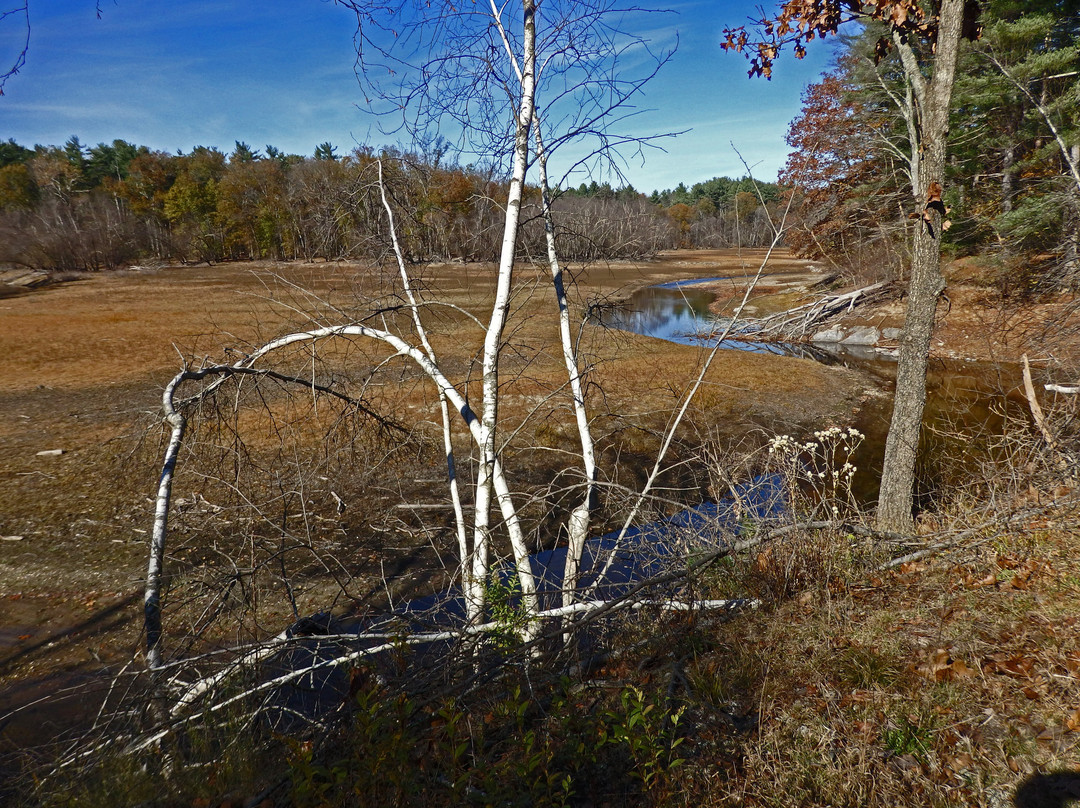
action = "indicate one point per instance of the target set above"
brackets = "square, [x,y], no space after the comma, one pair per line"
[577,525]
[174,417]
[444,410]
[493,342]
[152,596]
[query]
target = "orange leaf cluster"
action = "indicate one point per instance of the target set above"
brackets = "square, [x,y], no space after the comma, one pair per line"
[1023,571]
[1016,666]
[940,666]
[802,21]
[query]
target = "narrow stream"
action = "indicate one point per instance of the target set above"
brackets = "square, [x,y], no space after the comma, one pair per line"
[964,407]
[679,312]
[968,403]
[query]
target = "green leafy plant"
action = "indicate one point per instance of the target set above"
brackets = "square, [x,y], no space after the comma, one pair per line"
[504,604]
[907,737]
[647,733]
[377,763]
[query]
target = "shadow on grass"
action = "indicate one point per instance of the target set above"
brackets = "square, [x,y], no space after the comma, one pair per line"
[93,624]
[1054,790]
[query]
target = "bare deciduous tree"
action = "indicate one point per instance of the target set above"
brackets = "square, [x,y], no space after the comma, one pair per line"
[927,43]
[482,69]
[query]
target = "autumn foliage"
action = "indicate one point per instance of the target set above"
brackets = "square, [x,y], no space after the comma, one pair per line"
[847,192]
[799,22]
[79,208]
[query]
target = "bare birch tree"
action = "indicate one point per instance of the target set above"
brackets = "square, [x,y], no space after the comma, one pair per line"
[484,69]
[480,69]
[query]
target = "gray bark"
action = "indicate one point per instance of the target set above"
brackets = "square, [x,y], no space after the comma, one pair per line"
[1008,178]
[1072,222]
[932,102]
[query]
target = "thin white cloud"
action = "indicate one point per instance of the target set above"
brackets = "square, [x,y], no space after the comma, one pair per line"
[172,75]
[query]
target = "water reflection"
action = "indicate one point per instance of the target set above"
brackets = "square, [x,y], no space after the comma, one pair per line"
[968,404]
[677,312]
[674,314]
[969,407]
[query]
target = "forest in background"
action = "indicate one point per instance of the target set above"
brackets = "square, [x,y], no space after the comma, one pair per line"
[939,667]
[1012,186]
[1013,190]
[89,208]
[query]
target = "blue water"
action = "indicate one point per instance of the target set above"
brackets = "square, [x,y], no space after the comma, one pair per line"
[611,566]
[640,553]
[677,312]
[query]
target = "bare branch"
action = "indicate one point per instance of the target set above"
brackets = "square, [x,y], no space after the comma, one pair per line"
[19,15]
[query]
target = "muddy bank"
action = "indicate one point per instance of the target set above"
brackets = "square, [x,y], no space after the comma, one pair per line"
[974,321]
[82,366]
[722,272]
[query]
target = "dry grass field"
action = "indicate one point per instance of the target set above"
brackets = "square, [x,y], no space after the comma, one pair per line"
[950,679]
[83,363]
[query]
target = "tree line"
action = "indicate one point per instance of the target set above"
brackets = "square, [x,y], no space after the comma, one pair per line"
[1012,190]
[74,207]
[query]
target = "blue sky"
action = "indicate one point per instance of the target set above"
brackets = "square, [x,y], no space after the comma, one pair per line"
[172,75]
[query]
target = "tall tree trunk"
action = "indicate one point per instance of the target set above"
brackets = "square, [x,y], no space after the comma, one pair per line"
[444,408]
[933,98]
[493,340]
[577,525]
[1072,224]
[1008,178]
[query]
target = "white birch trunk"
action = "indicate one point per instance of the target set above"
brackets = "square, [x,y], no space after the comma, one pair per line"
[155,565]
[577,525]
[494,338]
[444,410]
[174,417]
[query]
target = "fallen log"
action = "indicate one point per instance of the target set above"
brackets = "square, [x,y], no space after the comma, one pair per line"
[794,324]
